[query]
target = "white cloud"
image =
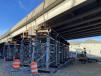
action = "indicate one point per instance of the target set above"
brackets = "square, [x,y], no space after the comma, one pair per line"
[22,5]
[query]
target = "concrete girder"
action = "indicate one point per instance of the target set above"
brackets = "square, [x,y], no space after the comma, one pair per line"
[82,25]
[93,11]
[83,35]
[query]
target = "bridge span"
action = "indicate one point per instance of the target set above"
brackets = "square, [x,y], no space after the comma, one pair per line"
[50,11]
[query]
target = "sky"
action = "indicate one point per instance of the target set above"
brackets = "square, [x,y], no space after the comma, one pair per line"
[97,38]
[12,11]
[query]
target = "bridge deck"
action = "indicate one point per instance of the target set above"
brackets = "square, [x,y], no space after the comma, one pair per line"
[81,21]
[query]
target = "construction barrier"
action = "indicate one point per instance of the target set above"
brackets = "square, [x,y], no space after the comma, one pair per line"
[34,67]
[16,64]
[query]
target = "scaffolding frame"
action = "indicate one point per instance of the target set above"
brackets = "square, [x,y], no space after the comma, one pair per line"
[10,49]
[26,49]
[49,52]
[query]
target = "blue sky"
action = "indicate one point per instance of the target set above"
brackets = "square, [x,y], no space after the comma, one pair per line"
[97,38]
[12,11]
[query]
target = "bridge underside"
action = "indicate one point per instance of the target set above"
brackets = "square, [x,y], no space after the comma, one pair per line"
[81,21]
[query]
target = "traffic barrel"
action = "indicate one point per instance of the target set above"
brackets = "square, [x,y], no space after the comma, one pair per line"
[16,64]
[34,67]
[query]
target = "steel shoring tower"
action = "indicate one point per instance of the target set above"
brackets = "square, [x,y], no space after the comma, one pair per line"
[9,50]
[26,50]
[49,51]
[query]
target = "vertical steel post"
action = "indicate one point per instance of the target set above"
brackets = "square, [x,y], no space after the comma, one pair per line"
[33,49]
[22,51]
[56,42]
[9,51]
[48,52]
[4,53]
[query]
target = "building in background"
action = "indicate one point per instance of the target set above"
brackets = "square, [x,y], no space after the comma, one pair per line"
[93,48]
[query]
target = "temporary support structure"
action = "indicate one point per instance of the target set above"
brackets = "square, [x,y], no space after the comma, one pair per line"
[49,51]
[46,47]
[26,49]
[10,50]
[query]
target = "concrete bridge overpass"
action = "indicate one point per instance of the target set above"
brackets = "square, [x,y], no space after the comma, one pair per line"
[70,18]
[47,11]
[66,19]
